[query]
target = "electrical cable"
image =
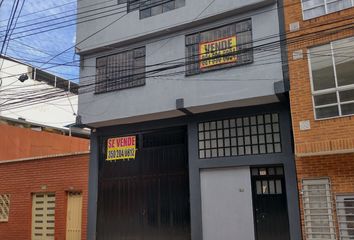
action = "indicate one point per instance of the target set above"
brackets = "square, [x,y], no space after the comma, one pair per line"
[175,66]
[283,6]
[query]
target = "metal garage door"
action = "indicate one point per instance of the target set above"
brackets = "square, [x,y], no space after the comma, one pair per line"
[146,198]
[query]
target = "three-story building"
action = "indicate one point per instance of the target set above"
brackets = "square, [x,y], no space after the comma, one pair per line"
[191,137]
[320,40]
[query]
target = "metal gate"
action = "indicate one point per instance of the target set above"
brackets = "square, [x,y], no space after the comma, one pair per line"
[146,198]
[74,216]
[269,203]
[43,216]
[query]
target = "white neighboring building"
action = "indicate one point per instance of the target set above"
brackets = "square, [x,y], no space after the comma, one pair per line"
[43,98]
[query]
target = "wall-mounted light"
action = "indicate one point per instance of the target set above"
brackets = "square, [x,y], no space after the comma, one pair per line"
[23,77]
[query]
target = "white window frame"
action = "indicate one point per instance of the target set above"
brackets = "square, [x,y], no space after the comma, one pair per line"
[4,197]
[326,2]
[307,211]
[336,89]
[341,216]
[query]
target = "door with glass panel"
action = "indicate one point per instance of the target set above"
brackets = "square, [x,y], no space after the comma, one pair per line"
[269,203]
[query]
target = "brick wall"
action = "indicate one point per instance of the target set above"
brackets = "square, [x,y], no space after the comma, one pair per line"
[331,136]
[338,168]
[325,135]
[21,179]
[17,142]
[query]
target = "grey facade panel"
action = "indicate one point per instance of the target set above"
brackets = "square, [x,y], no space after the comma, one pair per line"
[227,86]
[130,26]
[285,158]
[227,198]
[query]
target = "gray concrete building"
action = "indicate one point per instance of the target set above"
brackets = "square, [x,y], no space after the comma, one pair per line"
[188,104]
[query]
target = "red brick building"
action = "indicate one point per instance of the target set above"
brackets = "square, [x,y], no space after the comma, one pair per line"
[43,190]
[321,70]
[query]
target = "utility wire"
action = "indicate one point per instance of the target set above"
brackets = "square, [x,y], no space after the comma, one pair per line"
[176,66]
[60,6]
[270,10]
[295,39]
[303,29]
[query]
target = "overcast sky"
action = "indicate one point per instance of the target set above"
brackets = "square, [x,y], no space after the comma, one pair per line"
[39,48]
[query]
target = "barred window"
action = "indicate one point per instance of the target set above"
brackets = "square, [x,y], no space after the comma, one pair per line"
[345,213]
[149,8]
[120,71]
[239,136]
[154,7]
[318,210]
[218,48]
[4,207]
[332,75]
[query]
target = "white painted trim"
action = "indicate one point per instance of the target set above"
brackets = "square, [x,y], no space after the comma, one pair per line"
[44,157]
[335,152]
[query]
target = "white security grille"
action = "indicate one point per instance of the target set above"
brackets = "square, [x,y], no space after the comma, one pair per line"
[43,215]
[345,214]
[4,207]
[318,209]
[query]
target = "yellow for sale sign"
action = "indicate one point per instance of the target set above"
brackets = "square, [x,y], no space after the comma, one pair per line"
[218,52]
[121,148]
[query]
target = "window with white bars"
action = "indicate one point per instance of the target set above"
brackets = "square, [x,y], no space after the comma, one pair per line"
[318,210]
[258,134]
[345,216]
[316,8]
[332,78]
[4,207]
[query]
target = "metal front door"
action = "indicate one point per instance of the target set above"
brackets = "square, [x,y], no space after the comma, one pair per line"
[146,198]
[269,203]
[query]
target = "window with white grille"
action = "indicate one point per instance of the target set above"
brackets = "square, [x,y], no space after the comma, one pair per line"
[318,210]
[259,134]
[43,216]
[345,216]
[332,75]
[4,207]
[316,8]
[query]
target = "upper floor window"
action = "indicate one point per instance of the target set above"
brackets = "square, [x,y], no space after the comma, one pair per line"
[332,74]
[218,48]
[149,8]
[120,71]
[316,8]
[154,7]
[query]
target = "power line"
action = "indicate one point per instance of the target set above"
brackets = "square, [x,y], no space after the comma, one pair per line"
[181,72]
[74,19]
[264,45]
[267,10]
[64,21]
[173,73]
[59,6]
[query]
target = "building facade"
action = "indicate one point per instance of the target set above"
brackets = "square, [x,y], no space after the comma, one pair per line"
[40,97]
[44,183]
[191,130]
[321,69]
